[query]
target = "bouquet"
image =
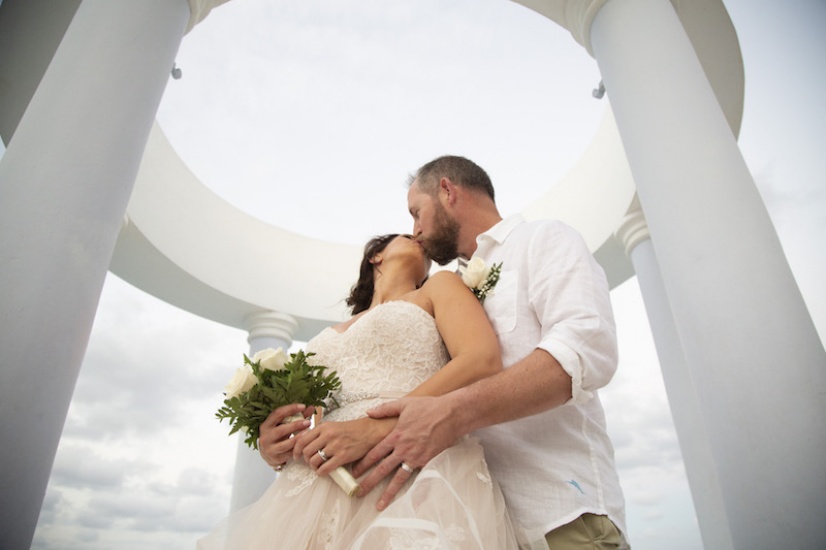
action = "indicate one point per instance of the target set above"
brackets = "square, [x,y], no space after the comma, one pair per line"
[270,380]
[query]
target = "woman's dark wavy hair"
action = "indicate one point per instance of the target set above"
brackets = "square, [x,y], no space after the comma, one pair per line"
[361,295]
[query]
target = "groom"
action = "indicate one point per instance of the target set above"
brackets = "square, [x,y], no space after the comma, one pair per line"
[540,419]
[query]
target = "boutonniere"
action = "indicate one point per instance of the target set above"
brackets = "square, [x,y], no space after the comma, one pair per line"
[480,277]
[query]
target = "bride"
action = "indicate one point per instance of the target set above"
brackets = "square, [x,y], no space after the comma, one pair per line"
[408,335]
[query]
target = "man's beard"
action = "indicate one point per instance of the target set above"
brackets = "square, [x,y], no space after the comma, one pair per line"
[443,246]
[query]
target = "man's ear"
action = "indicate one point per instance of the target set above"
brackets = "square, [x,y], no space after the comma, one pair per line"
[447,189]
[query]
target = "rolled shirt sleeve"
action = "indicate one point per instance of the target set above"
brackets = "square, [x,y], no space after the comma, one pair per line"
[568,292]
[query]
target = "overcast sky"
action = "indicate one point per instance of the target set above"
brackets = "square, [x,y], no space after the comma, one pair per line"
[309,113]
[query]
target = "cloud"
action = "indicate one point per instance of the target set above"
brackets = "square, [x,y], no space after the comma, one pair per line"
[52,506]
[95,521]
[134,385]
[127,501]
[81,467]
[142,452]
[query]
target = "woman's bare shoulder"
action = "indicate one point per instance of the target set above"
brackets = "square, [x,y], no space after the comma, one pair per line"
[444,282]
[444,277]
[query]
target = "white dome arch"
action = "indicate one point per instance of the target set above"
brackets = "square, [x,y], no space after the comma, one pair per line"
[189,247]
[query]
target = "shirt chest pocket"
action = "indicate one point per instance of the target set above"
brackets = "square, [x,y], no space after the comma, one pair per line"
[500,303]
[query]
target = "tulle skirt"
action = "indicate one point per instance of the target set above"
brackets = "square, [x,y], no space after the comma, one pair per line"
[451,503]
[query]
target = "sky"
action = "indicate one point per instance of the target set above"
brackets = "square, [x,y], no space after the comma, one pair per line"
[309,115]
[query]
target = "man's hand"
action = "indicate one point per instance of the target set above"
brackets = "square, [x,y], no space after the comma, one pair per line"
[424,430]
[274,442]
[342,442]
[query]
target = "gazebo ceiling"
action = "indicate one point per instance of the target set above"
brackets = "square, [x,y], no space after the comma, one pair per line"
[187,246]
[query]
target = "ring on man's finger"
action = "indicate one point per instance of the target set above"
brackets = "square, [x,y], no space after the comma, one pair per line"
[323,456]
[406,467]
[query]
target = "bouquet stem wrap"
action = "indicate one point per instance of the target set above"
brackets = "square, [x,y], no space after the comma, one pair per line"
[340,475]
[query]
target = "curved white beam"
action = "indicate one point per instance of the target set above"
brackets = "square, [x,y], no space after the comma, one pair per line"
[186,245]
[189,247]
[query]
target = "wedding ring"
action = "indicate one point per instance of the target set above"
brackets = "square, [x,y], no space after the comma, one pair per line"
[324,457]
[404,466]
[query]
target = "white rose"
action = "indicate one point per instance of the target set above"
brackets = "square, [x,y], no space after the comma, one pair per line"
[270,359]
[241,382]
[475,272]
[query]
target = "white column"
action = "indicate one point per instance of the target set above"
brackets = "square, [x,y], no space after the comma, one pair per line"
[252,475]
[65,181]
[682,397]
[758,366]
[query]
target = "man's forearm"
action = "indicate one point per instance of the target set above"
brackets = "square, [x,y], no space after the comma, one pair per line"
[535,384]
[429,425]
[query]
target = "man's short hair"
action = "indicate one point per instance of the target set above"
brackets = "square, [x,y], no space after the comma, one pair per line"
[459,170]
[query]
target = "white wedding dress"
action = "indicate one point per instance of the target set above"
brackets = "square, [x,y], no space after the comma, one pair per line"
[451,503]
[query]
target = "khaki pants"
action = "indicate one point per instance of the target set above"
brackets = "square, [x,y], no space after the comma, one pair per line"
[588,531]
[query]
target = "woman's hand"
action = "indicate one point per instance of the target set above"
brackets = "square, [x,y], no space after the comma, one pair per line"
[341,442]
[275,442]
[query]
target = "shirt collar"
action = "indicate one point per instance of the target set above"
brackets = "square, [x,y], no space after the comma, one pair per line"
[501,230]
[496,234]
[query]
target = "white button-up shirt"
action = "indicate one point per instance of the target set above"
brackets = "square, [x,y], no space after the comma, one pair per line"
[553,295]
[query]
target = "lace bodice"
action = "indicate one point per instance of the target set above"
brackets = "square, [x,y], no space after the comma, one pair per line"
[385,354]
